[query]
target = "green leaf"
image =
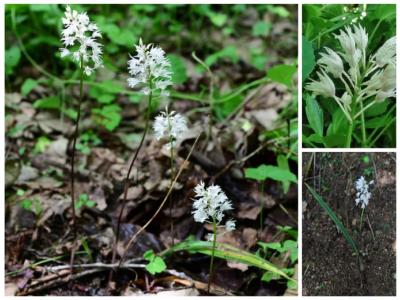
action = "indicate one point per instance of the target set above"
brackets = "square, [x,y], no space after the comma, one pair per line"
[315,115]
[261,28]
[229,52]
[109,116]
[376,109]
[28,85]
[308,58]
[291,246]
[339,124]
[282,74]
[178,68]
[334,218]
[52,102]
[268,276]
[263,172]
[218,19]
[12,57]
[42,143]
[227,252]
[156,263]
[274,246]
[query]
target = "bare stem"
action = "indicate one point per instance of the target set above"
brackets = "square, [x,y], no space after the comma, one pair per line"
[126,186]
[211,273]
[72,174]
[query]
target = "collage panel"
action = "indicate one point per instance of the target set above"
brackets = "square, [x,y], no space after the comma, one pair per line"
[151,149]
[349,75]
[349,224]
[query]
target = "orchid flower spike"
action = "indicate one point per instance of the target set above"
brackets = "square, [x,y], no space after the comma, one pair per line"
[210,205]
[149,69]
[79,38]
[363,193]
[171,126]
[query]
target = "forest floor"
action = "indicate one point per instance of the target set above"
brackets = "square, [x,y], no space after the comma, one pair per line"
[329,268]
[39,236]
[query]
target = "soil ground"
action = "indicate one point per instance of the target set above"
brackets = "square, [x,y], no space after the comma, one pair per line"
[329,268]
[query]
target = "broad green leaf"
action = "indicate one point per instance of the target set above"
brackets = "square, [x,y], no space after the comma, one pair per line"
[334,218]
[261,28]
[229,52]
[12,57]
[335,140]
[315,115]
[178,68]
[156,263]
[268,276]
[339,124]
[227,252]
[282,74]
[264,172]
[376,109]
[42,143]
[52,102]
[218,19]
[308,58]
[109,116]
[28,85]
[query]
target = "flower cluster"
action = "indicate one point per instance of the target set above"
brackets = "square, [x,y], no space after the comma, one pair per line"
[150,69]
[211,205]
[363,77]
[170,126]
[79,34]
[363,193]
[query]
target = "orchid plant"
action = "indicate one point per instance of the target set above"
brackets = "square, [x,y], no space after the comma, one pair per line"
[363,195]
[170,126]
[150,73]
[210,207]
[79,40]
[356,79]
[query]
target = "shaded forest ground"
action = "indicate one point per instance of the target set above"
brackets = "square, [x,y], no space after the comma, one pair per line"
[254,127]
[329,268]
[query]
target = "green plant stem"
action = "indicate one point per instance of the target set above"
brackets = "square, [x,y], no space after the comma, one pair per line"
[361,219]
[382,132]
[126,186]
[211,273]
[72,174]
[261,205]
[363,132]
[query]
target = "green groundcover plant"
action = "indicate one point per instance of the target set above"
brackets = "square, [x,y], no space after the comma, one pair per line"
[349,76]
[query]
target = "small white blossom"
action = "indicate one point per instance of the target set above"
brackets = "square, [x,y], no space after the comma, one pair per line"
[332,62]
[363,193]
[324,87]
[80,35]
[386,53]
[360,37]
[170,126]
[211,203]
[230,225]
[150,69]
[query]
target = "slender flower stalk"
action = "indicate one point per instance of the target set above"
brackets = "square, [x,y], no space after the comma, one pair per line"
[210,207]
[363,195]
[79,40]
[150,73]
[366,80]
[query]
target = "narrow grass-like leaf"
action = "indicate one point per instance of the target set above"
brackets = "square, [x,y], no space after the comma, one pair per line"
[227,252]
[334,218]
